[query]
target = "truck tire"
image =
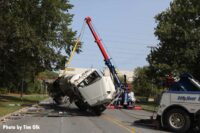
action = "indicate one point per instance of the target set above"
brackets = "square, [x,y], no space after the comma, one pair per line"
[81,105]
[177,120]
[98,109]
[57,100]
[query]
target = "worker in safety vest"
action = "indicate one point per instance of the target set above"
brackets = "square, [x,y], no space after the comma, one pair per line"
[131,97]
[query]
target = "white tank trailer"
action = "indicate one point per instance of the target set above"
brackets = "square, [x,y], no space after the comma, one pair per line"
[90,90]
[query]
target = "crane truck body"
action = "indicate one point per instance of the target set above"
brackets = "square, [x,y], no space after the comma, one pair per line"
[179,106]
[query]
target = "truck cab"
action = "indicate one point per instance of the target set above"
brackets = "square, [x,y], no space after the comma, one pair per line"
[95,89]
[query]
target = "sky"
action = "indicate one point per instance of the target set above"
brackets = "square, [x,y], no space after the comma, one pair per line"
[126,28]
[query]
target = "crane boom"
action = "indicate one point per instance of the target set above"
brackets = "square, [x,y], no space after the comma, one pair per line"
[104,53]
[97,39]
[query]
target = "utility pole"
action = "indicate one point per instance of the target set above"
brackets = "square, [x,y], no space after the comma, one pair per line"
[22,84]
[22,89]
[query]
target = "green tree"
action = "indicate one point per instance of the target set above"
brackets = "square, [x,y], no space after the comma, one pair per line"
[178,31]
[143,85]
[47,75]
[33,35]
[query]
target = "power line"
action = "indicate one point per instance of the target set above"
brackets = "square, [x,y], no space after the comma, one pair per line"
[124,37]
[123,42]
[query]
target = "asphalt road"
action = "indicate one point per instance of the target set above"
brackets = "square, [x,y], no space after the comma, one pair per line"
[48,118]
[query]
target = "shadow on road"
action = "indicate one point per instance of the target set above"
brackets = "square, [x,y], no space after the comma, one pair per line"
[157,127]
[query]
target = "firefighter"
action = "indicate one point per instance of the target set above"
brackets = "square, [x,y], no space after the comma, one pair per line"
[131,97]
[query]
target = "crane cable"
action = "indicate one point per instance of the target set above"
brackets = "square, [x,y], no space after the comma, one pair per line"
[73,51]
[77,42]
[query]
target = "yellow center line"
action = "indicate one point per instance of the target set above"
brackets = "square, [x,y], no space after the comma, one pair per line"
[117,122]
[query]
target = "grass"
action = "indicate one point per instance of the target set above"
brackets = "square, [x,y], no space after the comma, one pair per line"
[12,102]
[150,106]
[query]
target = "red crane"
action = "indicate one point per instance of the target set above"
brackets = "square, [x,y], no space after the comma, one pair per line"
[117,82]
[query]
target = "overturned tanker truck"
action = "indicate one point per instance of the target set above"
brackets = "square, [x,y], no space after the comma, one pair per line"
[90,90]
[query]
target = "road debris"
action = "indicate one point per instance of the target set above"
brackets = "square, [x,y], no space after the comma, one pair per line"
[15,116]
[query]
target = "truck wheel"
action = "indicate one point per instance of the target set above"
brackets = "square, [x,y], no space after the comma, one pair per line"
[81,105]
[98,109]
[57,100]
[177,120]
